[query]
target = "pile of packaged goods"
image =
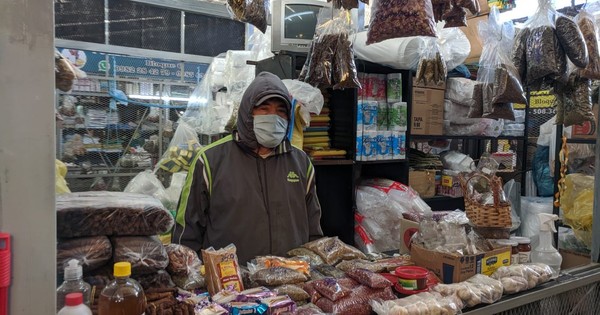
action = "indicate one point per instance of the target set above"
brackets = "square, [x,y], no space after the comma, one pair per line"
[381,118]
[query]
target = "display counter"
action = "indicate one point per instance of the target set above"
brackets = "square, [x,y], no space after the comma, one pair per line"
[576,291]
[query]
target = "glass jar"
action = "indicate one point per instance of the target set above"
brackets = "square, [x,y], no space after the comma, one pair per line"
[524,250]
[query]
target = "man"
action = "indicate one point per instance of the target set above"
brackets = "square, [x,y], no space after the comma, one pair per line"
[252,189]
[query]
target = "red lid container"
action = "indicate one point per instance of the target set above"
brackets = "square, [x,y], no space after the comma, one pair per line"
[74,299]
[411,272]
[411,279]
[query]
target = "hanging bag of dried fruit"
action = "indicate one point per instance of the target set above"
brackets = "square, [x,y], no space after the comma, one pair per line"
[544,54]
[250,11]
[432,66]
[586,22]
[497,75]
[400,18]
[344,68]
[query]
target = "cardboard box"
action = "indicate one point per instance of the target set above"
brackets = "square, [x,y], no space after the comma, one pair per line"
[427,110]
[587,130]
[407,229]
[422,181]
[484,8]
[452,268]
[471,31]
[573,259]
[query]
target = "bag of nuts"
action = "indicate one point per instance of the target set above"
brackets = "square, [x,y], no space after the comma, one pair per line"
[400,18]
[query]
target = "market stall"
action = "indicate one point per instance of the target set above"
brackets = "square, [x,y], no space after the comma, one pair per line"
[388,138]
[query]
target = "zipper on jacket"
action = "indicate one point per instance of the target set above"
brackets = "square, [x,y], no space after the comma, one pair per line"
[265,194]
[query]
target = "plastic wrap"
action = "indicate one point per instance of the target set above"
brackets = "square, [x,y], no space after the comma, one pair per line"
[459,91]
[110,213]
[222,269]
[92,252]
[572,41]
[181,152]
[175,188]
[530,208]
[60,172]
[400,18]
[308,309]
[479,289]
[332,250]
[254,12]
[357,302]
[296,293]
[348,265]
[158,280]
[545,55]
[369,278]
[300,265]
[145,253]
[519,53]
[308,96]
[330,271]
[577,205]
[185,266]
[275,276]
[589,29]
[146,183]
[455,113]
[577,101]
[432,67]
[254,294]
[331,289]
[421,303]
[474,127]
[313,257]
[517,278]
[455,17]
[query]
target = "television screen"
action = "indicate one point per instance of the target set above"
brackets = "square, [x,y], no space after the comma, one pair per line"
[300,21]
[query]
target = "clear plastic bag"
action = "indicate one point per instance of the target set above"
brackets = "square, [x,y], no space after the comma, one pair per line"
[217,261]
[274,261]
[182,260]
[456,17]
[275,276]
[400,18]
[92,252]
[331,289]
[589,29]
[517,278]
[421,303]
[332,250]
[250,11]
[369,278]
[545,55]
[295,292]
[110,213]
[572,41]
[313,257]
[145,253]
[432,67]
[308,96]
[577,101]
[147,183]
[182,150]
[519,53]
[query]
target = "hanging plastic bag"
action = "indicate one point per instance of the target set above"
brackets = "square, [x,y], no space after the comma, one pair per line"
[501,84]
[586,22]
[344,68]
[146,183]
[310,97]
[572,41]
[519,53]
[545,55]
[400,18]
[260,45]
[182,150]
[432,67]
[456,17]
[250,11]
[577,101]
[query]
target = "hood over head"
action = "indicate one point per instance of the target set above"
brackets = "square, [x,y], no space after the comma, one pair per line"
[265,86]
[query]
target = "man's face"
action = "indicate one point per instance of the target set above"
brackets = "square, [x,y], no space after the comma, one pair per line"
[272,106]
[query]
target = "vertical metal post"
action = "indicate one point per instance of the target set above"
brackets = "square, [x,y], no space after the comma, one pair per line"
[106,23]
[596,209]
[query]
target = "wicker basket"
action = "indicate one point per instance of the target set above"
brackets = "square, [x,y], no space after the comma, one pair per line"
[486,216]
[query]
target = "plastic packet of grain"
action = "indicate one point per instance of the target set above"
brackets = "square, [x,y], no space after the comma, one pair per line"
[222,269]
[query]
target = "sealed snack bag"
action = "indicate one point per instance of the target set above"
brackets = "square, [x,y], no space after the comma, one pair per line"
[432,66]
[400,18]
[222,269]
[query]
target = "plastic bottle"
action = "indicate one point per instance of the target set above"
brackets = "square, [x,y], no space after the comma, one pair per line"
[73,283]
[122,296]
[545,253]
[74,305]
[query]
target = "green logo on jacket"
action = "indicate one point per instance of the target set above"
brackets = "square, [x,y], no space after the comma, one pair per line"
[292,177]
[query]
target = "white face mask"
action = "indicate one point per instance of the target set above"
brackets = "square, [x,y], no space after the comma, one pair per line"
[270,130]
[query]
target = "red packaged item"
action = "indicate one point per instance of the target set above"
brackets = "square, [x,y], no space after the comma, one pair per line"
[331,289]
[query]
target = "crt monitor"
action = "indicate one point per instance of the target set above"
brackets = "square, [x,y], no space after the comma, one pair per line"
[293,24]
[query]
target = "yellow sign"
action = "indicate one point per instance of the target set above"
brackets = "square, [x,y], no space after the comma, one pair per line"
[541,99]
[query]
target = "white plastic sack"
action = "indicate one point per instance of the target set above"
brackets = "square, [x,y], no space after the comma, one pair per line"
[460,91]
[455,112]
[404,53]
[474,127]
[530,222]
[306,94]
[260,45]
[176,186]
[146,183]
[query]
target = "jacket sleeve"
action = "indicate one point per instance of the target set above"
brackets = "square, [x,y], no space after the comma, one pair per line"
[191,218]
[313,206]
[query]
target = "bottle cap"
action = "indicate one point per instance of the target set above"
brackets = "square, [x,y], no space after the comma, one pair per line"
[524,241]
[73,270]
[74,299]
[122,269]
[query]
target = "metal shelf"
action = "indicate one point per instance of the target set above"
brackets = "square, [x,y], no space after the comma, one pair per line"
[413,137]
[382,161]
[332,162]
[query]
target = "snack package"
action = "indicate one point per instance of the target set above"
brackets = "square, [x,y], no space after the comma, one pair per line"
[110,213]
[250,308]
[274,276]
[295,292]
[589,29]
[279,305]
[264,262]
[400,18]
[545,55]
[432,67]
[250,11]
[421,303]
[182,149]
[308,309]
[517,278]
[184,266]
[158,280]
[222,269]
[254,294]
[330,271]
[145,253]
[519,53]
[332,250]
[369,278]
[92,252]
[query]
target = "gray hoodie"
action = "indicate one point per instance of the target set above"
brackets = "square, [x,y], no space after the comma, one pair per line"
[231,195]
